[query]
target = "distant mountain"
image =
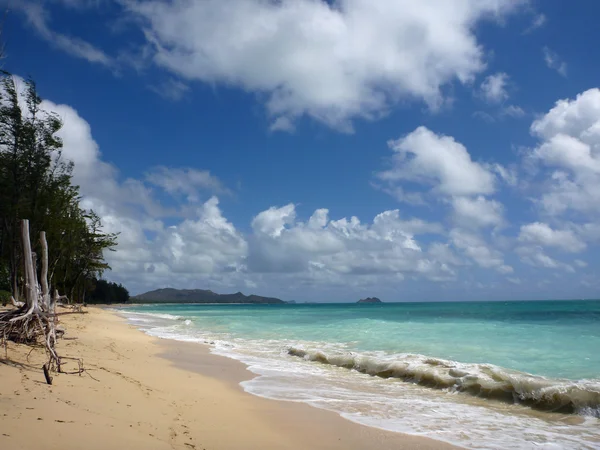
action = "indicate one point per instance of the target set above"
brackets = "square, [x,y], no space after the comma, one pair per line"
[369,300]
[170,295]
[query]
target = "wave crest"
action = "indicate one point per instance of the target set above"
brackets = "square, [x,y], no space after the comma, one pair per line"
[482,380]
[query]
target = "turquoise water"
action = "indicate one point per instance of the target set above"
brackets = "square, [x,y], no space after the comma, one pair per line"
[533,367]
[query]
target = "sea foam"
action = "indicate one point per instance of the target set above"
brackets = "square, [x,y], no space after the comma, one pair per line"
[481,380]
[410,393]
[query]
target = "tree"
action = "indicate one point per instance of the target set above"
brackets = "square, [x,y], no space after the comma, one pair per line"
[108,292]
[36,183]
[35,319]
[27,143]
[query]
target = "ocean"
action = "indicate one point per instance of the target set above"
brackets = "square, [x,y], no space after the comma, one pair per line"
[485,375]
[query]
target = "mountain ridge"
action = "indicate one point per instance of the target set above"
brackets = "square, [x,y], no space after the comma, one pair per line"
[171,295]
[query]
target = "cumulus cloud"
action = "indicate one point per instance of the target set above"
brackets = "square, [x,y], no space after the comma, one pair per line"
[439,161]
[475,247]
[444,165]
[535,256]
[207,244]
[345,246]
[493,88]
[541,234]
[569,145]
[574,117]
[207,250]
[187,181]
[477,212]
[513,111]
[204,246]
[332,61]
[280,248]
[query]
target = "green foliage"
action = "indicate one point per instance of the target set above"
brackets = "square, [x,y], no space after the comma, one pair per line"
[4,276]
[35,184]
[108,292]
[4,297]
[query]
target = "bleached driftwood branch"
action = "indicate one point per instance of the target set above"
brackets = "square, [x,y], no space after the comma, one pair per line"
[34,321]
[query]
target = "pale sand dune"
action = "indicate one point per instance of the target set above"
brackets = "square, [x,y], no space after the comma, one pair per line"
[191,400]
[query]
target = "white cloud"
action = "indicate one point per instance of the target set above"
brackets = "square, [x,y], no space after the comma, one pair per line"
[493,88]
[343,247]
[333,62]
[207,250]
[504,269]
[507,174]
[486,117]
[568,152]
[187,181]
[208,244]
[398,192]
[171,89]
[541,234]
[39,18]
[477,212]
[194,253]
[272,222]
[425,157]
[553,61]
[473,246]
[444,254]
[579,117]
[283,123]
[513,111]
[204,248]
[535,256]
[570,145]
[440,162]
[539,20]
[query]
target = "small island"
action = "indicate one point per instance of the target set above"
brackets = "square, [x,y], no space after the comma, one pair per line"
[369,300]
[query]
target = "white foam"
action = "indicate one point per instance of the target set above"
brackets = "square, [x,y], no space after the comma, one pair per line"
[388,404]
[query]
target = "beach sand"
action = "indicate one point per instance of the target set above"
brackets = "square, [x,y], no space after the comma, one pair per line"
[146,393]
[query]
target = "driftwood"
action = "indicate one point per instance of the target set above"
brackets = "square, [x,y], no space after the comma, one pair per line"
[16,303]
[34,321]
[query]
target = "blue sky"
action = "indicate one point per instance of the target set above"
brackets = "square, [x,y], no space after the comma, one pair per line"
[213,135]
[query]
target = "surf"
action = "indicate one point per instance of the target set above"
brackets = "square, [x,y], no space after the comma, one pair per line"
[481,380]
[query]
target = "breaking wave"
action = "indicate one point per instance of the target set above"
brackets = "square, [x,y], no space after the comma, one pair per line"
[139,316]
[481,380]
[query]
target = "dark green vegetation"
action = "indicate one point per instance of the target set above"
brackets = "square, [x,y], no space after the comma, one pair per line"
[36,184]
[199,296]
[4,298]
[108,292]
[369,300]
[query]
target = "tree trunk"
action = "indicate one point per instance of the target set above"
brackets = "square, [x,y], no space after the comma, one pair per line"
[44,274]
[36,319]
[31,298]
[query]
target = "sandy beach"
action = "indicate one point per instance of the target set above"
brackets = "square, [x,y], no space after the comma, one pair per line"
[141,392]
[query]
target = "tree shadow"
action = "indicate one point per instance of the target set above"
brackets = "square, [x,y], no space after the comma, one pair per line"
[18,365]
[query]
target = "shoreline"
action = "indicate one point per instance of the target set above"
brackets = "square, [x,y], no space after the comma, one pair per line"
[187,398]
